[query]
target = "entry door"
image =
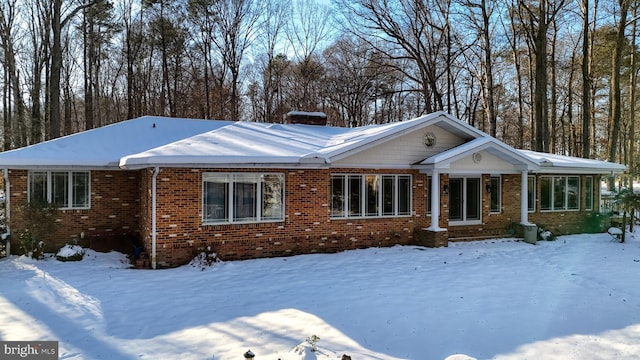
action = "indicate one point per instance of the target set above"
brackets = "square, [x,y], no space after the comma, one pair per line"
[464,199]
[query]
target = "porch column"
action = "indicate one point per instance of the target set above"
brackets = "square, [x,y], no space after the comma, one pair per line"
[435,202]
[524,197]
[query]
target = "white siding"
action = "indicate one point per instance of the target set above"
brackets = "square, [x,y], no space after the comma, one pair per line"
[403,151]
[488,164]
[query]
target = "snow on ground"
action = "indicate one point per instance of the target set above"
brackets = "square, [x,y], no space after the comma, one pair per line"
[574,298]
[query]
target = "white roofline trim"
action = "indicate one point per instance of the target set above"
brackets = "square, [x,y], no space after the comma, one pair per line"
[444,159]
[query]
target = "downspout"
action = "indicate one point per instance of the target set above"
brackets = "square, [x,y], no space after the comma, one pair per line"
[156,170]
[7,209]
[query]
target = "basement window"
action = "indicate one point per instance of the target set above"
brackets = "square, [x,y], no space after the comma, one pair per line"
[64,189]
[242,197]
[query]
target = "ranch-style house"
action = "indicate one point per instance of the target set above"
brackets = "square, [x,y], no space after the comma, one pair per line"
[249,190]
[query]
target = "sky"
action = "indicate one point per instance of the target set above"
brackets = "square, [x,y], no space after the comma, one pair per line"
[573,298]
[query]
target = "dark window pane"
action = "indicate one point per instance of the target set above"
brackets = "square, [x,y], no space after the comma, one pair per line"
[244,202]
[404,195]
[337,195]
[455,199]
[589,194]
[388,195]
[573,192]
[38,188]
[355,195]
[496,194]
[531,187]
[216,200]
[59,189]
[80,189]
[373,185]
[545,193]
[559,190]
[473,199]
[273,197]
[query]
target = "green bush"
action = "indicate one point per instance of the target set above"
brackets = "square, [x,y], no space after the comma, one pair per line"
[595,223]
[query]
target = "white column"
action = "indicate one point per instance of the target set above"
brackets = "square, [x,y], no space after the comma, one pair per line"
[435,202]
[524,197]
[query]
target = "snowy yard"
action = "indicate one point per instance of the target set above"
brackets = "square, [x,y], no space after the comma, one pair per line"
[574,298]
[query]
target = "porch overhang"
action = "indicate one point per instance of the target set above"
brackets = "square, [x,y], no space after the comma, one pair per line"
[444,160]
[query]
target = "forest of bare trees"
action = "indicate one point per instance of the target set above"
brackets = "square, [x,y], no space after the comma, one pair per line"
[547,75]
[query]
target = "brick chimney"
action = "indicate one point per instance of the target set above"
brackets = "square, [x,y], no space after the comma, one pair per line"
[308,118]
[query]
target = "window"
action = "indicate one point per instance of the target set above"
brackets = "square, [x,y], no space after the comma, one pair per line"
[242,197]
[370,195]
[464,199]
[559,193]
[496,194]
[64,189]
[531,193]
[588,199]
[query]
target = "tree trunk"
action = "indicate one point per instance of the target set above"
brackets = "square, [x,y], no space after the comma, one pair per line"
[586,82]
[632,100]
[541,104]
[56,68]
[614,97]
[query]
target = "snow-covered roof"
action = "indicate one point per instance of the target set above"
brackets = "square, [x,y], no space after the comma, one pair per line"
[552,163]
[104,146]
[151,141]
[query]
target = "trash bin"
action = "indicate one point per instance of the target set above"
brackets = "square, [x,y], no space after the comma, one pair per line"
[530,233]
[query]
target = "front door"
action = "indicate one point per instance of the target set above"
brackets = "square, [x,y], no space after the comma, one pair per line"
[464,199]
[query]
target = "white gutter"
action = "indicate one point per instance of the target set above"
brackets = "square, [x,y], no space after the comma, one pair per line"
[7,208]
[156,170]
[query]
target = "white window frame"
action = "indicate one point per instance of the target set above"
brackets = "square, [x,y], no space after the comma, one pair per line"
[563,179]
[230,204]
[344,197]
[465,220]
[70,191]
[498,189]
[588,193]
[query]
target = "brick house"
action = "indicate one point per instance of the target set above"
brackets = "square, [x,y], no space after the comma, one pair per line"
[249,190]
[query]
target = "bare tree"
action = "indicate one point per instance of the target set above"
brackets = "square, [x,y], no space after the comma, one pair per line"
[537,17]
[614,96]
[418,30]
[12,94]
[351,81]
[478,15]
[586,77]
[307,32]
[274,23]
[58,22]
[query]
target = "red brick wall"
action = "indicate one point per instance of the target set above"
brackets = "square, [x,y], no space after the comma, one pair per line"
[558,222]
[567,222]
[115,207]
[121,201]
[307,227]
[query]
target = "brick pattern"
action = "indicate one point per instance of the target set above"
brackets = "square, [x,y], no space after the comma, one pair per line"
[505,222]
[115,207]
[122,200]
[307,226]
